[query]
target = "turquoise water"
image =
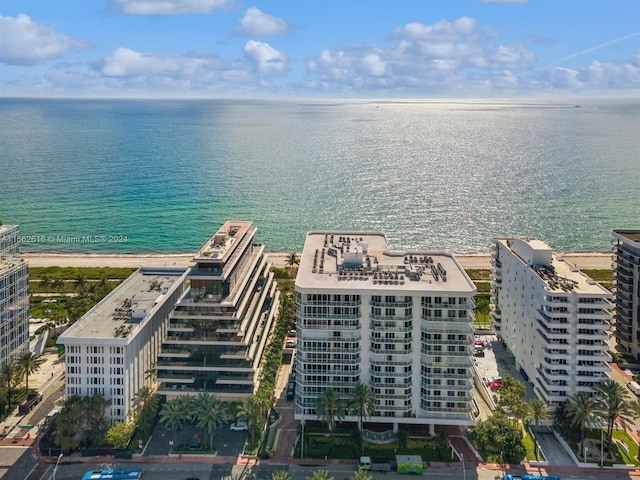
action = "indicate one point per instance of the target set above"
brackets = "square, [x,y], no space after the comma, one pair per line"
[161,176]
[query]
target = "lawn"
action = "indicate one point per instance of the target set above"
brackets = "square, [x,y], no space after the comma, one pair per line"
[346,445]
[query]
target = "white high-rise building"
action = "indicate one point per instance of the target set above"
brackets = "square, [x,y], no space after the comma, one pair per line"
[626,248]
[114,346]
[553,318]
[14,296]
[399,322]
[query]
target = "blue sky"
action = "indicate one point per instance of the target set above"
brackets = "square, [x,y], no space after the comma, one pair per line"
[320,48]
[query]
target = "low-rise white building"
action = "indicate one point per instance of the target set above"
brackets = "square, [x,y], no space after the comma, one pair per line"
[553,318]
[399,322]
[112,348]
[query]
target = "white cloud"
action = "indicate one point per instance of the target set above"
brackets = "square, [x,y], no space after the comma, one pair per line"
[423,58]
[256,23]
[129,63]
[170,7]
[441,31]
[373,65]
[564,78]
[25,42]
[266,59]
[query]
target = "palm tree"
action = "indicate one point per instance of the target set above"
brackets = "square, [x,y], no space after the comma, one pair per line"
[539,411]
[210,413]
[281,475]
[173,414]
[28,363]
[612,399]
[143,402]
[319,475]
[364,403]
[151,373]
[45,281]
[361,475]
[9,377]
[329,409]
[582,408]
[253,410]
[291,261]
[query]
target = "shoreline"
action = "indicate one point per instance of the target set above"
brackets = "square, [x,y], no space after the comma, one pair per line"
[582,260]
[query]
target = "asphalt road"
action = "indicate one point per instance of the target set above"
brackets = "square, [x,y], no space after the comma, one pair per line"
[338,472]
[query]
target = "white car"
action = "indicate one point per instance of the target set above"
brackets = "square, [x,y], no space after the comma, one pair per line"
[239,426]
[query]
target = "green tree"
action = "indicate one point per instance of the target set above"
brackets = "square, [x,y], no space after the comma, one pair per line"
[498,437]
[82,422]
[319,475]
[210,413]
[539,411]
[612,399]
[252,410]
[361,474]
[151,373]
[45,281]
[401,437]
[10,378]
[281,475]
[634,411]
[330,409]
[364,404]
[174,414]
[145,405]
[28,363]
[582,409]
[291,261]
[119,435]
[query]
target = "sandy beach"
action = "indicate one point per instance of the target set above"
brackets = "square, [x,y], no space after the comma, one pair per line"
[581,260]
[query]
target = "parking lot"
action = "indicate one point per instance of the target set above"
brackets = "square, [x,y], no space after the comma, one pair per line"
[496,362]
[226,441]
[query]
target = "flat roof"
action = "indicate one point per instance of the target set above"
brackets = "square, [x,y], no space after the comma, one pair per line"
[360,261]
[558,274]
[127,306]
[632,235]
[222,243]
[567,272]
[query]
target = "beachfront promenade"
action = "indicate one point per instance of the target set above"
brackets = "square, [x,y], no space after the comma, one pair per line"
[599,261]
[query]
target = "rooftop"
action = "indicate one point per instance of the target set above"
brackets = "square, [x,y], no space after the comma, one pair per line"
[126,307]
[557,273]
[632,235]
[361,261]
[222,244]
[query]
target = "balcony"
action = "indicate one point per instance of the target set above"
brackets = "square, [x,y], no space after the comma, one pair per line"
[390,325]
[383,351]
[557,353]
[396,340]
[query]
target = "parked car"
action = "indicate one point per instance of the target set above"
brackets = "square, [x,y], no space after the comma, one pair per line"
[239,426]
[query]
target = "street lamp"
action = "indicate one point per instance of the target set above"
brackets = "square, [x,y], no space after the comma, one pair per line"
[55,469]
[464,471]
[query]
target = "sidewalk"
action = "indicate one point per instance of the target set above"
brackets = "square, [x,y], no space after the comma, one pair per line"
[22,430]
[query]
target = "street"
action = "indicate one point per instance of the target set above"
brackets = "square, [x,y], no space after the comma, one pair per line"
[201,471]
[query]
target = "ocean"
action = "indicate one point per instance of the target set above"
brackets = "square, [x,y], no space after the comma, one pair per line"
[160,176]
